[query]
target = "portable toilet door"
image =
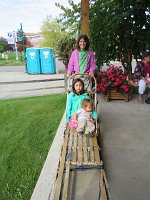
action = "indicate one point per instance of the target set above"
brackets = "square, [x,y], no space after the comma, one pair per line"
[33,61]
[47,63]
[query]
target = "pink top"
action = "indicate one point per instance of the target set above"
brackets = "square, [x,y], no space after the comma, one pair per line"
[148,68]
[73,65]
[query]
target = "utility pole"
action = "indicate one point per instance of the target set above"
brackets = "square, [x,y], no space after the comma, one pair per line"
[23,47]
[15,42]
[22,35]
[85,17]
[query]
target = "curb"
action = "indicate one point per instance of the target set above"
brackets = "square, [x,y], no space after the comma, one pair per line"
[32,81]
[45,184]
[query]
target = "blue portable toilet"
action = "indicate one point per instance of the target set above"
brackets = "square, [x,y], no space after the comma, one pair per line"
[47,60]
[33,60]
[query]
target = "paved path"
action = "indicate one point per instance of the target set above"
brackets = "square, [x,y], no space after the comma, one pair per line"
[20,84]
[125,141]
[59,67]
[12,69]
[14,82]
[125,135]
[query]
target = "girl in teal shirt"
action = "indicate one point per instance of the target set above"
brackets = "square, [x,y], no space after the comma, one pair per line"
[74,101]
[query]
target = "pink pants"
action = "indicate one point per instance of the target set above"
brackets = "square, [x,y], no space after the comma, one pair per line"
[142,85]
[72,122]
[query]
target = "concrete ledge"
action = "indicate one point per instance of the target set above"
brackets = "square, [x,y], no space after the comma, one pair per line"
[45,184]
[21,76]
[32,81]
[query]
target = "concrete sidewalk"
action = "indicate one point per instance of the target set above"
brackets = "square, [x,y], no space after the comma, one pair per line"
[125,151]
[15,84]
[125,142]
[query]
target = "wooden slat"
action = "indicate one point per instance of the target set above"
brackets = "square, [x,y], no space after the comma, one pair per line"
[95,140]
[116,95]
[70,140]
[66,182]
[70,143]
[106,186]
[88,148]
[85,150]
[58,183]
[96,150]
[79,149]
[91,151]
[96,154]
[102,186]
[67,172]
[74,149]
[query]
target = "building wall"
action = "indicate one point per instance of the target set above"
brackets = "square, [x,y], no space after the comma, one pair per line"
[35,39]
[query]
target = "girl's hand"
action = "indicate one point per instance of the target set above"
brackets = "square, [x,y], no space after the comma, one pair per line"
[76,121]
[91,120]
[91,74]
[68,75]
[145,80]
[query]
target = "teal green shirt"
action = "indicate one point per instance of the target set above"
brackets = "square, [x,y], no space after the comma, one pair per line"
[83,55]
[74,103]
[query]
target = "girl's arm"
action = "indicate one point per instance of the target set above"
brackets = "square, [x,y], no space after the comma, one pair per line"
[71,65]
[94,114]
[85,96]
[68,108]
[92,63]
[76,117]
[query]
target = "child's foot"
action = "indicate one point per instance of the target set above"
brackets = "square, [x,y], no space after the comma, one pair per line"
[89,134]
[147,100]
[81,132]
[140,100]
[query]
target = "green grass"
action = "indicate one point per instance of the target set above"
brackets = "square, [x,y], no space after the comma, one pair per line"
[27,129]
[12,60]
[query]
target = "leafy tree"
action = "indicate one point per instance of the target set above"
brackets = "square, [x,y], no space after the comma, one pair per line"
[1,46]
[65,46]
[52,32]
[71,16]
[120,27]
[22,42]
[70,19]
[4,46]
[28,43]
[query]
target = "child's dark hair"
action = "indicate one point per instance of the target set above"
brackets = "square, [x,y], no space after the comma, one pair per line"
[145,54]
[86,39]
[86,102]
[73,86]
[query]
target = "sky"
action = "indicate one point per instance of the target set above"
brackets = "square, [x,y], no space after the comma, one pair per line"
[30,13]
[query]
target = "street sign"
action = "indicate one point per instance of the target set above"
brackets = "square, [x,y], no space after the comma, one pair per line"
[11,37]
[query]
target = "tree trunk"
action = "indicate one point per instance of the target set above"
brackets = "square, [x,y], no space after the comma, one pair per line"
[85,17]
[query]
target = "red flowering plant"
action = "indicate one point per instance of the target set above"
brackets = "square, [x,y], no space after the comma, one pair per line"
[113,79]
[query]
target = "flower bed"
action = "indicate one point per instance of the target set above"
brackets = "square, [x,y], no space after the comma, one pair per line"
[113,84]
